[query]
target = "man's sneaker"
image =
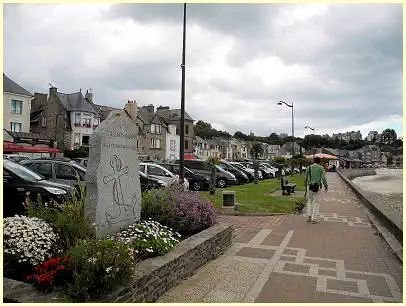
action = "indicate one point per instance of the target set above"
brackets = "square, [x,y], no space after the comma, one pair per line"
[315,221]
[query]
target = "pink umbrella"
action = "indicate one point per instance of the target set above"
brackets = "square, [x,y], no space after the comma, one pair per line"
[321,155]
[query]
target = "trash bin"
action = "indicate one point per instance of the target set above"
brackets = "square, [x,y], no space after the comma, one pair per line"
[228,198]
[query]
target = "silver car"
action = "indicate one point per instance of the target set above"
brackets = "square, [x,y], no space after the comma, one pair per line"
[161,173]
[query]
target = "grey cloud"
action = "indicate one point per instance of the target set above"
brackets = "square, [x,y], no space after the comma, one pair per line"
[362,53]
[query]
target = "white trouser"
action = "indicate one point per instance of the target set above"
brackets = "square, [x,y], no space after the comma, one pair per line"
[313,203]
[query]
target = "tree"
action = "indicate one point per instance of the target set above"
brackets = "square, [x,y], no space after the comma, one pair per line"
[213,161]
[256,151]
[202,129]
[389,160]
[388,136]
[240,135]
[274,139]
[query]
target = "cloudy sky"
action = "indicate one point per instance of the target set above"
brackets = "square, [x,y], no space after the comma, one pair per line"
[340,64]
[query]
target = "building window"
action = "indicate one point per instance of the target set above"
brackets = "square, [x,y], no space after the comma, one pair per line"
[85,140]
[76,139]
[87,119]
[44,121]
[186,129]
[16,107]
[155,143]
[15,126]
[156,129]
[186,144]
[78,118]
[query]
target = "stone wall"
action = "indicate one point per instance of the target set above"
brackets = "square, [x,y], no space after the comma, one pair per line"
[154,276]
[353,173]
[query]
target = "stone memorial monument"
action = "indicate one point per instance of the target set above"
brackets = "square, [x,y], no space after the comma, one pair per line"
[113,197]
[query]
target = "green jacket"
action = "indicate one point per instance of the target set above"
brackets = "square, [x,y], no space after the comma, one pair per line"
[318,175]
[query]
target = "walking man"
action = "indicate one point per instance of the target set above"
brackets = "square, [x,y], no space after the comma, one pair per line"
[314,177]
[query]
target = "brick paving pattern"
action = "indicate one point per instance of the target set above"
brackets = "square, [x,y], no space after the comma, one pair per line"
[286,259]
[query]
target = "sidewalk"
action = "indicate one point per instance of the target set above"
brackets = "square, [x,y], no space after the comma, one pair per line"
[286,259]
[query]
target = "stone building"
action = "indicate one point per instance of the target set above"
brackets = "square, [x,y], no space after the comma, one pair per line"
[172,117]
[68,118]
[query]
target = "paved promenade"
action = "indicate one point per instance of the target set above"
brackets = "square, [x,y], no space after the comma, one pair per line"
[286,259]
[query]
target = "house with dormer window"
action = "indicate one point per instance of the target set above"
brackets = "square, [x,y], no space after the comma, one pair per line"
[70,118]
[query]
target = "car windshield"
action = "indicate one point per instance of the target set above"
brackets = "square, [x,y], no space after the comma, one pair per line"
[22,171]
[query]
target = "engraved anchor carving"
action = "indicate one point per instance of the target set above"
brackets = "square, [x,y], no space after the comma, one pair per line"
[118,197]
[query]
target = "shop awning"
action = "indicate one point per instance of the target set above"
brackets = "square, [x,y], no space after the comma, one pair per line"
[9,147]
[190,156]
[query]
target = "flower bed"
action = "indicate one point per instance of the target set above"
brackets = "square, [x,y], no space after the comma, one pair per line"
[152,277]
[61,252]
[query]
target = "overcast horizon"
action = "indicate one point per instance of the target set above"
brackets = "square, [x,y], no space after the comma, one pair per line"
[340,64]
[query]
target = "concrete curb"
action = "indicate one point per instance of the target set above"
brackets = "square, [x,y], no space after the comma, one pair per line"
[392,234]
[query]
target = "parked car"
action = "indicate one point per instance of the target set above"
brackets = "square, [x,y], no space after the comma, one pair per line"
[18,180]
[250,166]
[267,172]
[196,181]
[65,172]
[274,170]
[15,157]
[158,172]
[81,161]
[248,172]
[223,178]
[241,177]
[148,183]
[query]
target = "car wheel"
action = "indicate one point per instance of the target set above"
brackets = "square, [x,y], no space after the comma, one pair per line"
[221,183]
[196,186]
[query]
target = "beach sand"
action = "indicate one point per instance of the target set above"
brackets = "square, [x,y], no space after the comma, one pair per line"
[386,181]
[385,191]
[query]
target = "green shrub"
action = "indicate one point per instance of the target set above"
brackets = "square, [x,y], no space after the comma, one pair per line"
[100,265]
[182,210]
[157,205]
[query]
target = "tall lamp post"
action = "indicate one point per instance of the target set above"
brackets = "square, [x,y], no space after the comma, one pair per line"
[182,104]
[293,130]
[308,127]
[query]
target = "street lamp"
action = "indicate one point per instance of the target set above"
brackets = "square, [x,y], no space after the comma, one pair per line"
[182,103]
[293,131]
[308,127]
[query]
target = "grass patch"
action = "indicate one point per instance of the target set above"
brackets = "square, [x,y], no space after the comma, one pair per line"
[259,199]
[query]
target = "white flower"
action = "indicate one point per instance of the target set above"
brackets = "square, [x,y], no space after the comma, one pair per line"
[108,269]
[92,260]
[28,239]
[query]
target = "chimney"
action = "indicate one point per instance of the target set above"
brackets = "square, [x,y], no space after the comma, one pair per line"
[89,96]
[149,108]
[163,111]
[52,91]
